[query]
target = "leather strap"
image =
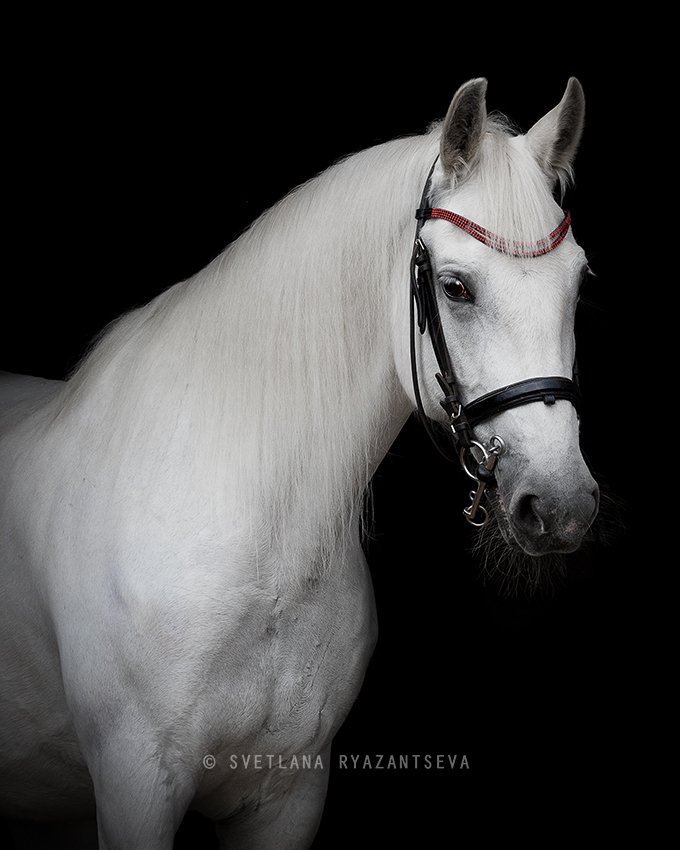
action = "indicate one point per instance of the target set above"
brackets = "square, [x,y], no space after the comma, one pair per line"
[425,311]
[547,390]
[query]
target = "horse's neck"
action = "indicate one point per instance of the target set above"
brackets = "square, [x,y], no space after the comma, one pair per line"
[268,381]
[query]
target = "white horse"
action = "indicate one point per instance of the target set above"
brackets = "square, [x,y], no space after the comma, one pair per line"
[182,579]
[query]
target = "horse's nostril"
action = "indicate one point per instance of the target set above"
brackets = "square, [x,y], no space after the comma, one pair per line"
[527,513]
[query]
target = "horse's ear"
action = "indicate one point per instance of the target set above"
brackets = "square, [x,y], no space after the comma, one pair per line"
[464,127]
[555,138]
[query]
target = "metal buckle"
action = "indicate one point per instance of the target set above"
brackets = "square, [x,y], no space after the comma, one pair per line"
[486,465]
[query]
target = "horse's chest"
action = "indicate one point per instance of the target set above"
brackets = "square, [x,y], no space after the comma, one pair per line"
[309,662]
[301,667]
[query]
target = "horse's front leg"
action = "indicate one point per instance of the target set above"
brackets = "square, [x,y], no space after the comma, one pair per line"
[141,791]
[286,821]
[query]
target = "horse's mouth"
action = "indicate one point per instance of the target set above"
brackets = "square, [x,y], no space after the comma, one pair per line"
[515,569]
[532,548]
[506,563]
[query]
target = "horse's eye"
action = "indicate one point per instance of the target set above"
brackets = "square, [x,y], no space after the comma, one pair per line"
[455,289]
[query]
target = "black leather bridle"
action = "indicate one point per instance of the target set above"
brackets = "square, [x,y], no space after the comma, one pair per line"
[477,459]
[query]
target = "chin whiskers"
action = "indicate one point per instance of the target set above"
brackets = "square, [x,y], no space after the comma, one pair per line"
[513,572]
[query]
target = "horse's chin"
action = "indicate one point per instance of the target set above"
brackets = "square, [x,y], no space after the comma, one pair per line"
[510,565]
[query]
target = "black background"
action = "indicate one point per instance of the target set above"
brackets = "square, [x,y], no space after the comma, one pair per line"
[128,172]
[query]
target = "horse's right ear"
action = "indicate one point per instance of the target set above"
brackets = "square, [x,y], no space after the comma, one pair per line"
[464,127]
[555,138]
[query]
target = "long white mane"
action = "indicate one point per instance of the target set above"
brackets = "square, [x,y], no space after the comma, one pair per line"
[253,381]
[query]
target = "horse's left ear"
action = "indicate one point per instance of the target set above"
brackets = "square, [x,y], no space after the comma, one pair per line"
[464,127]
[555,138]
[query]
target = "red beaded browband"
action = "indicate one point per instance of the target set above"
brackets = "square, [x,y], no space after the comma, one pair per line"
[498,243]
